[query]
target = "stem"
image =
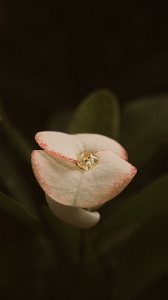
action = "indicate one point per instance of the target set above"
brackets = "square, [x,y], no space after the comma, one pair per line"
[92,279]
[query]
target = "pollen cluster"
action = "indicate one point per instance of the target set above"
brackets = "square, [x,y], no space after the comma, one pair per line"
[87,161]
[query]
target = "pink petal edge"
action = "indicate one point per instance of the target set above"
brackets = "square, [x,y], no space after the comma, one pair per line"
[59,144]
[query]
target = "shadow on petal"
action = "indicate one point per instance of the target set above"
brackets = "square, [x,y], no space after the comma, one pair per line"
[77,217]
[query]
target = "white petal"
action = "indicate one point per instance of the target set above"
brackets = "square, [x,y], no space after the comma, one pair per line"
[95,142]
[59,144]
[59,178]
[105,181]
[68,146]
[73,216]
[65,183]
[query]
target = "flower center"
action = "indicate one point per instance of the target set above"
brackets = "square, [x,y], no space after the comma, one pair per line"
[87,161]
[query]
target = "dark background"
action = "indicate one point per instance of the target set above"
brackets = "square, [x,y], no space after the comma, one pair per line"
[55,52]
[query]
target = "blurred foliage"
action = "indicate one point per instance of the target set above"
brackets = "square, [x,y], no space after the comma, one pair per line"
[121,258]
[144,128]
[98,113]
[18,211]
[143,259]
[13,135]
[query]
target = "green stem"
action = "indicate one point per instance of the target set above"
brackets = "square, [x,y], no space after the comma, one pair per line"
[92,279]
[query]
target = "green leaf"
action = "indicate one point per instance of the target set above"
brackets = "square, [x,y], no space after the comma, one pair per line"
[143,260]
[155,167]
[98,113]
[18,212]
[150,201]
[144,128]
[130,215]
[12,179]
[17,140]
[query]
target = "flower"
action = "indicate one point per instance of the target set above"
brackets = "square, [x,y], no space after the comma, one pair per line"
[79,173]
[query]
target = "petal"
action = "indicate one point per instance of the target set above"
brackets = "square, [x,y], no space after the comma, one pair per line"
[73,216]
[59,144]
[68,146]
[65,183]
[105,181]
[96,142]
[59,178]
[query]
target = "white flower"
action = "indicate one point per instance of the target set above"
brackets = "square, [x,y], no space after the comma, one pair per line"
[80,172]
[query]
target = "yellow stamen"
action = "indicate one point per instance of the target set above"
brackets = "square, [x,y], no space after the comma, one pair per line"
[87,161]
